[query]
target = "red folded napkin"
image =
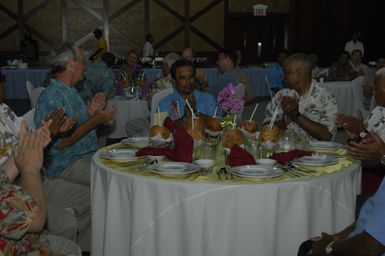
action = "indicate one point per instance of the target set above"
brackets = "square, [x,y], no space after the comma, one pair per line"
[155,152]
[239,156]
[169,124]
[183,148]
[285,157]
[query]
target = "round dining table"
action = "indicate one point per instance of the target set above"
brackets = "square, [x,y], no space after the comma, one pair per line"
[135,212]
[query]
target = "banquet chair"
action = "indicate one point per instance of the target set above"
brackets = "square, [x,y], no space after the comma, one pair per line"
[156,98]
[358,96]
[268,87]
[35,94]
[29,87]
[240,90]
[29,117]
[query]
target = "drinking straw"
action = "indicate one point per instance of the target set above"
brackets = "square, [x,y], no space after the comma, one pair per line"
[215,112]
[235,118]
[273,118]
[159,116]
[252,115]
[192,112]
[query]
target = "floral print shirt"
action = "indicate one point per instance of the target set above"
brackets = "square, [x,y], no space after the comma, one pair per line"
[17,210]
[55,96]
[318,104]
[376,122]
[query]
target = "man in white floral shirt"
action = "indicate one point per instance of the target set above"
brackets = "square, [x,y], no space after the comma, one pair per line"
[304,108]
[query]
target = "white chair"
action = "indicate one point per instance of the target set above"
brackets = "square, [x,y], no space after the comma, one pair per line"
[156,99]
[29,117]
[29,88]
[35,93]
[358,96]
[240,91]
[268,87]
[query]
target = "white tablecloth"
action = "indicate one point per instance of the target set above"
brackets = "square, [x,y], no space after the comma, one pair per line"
[137,215]
[342,90]
[125,111]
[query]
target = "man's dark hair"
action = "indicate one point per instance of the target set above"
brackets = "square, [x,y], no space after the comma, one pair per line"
[108,58]
[148,36]
[345,53]
[231,54]
[98,32]
[133,51]
[180,63]
[357,50]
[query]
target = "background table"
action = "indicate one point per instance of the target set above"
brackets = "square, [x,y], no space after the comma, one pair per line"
[126,110]
[15,81]
[137,215]
[342,90]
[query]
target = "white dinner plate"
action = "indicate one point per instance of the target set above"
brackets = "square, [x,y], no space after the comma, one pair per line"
[119,155]
[139,142]
[325,145]
[256,171]
[174,168]
[315,161]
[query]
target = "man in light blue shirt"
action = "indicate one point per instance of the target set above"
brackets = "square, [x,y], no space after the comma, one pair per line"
[227,60]
[367,235]
[183,72]
[275,73]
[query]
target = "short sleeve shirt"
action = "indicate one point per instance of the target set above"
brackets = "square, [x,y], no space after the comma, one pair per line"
[318,104]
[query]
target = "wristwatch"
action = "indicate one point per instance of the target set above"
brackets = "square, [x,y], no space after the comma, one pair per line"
[329,248]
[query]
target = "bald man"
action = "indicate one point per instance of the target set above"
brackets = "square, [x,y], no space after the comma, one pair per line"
[304,108]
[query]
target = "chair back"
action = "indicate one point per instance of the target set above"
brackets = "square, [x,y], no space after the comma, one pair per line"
[29,88]
[156,99]
[35,94]
[268,87]
[240,91]
[358,96]
[29,117]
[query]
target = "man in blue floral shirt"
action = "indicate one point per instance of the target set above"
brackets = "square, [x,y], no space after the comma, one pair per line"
[69,156]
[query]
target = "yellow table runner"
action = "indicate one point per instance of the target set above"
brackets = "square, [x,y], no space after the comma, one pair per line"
[138,167]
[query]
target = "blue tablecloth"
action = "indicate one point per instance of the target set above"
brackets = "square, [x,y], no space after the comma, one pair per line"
[256,75]
[15,81]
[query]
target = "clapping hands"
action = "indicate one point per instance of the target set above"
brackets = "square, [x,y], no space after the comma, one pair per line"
[99,101]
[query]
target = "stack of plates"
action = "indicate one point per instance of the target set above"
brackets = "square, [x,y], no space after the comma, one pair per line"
[120,155]
[315,161]
[139,142]
[174,168]
[325,145]
[256,171]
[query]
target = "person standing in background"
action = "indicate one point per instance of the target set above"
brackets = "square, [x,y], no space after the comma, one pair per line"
[355,44]
[148,49]
[101,46]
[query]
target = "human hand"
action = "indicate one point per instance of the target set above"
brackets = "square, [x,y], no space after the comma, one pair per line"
[372,147]
[60,122]
[353,125]
[289,106]
[10,169]
[101,116]
[29,156]
[319,244]
[98,102]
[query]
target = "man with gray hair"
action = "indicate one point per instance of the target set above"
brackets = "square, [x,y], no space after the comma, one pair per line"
[69,156]
[304,108]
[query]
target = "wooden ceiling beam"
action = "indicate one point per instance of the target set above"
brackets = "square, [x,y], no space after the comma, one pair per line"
[205,38]
[204,10]
[9,12]
[37,9]
[169,10]
[9,31]
[123,10]
[169,36]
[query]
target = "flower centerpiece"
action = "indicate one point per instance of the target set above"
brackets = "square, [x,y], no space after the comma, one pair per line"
[230,103]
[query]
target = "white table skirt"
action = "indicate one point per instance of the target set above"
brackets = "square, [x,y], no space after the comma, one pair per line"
[125,111]
[137,215]
[342,90]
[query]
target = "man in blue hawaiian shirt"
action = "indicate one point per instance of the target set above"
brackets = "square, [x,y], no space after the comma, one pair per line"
[69,156]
